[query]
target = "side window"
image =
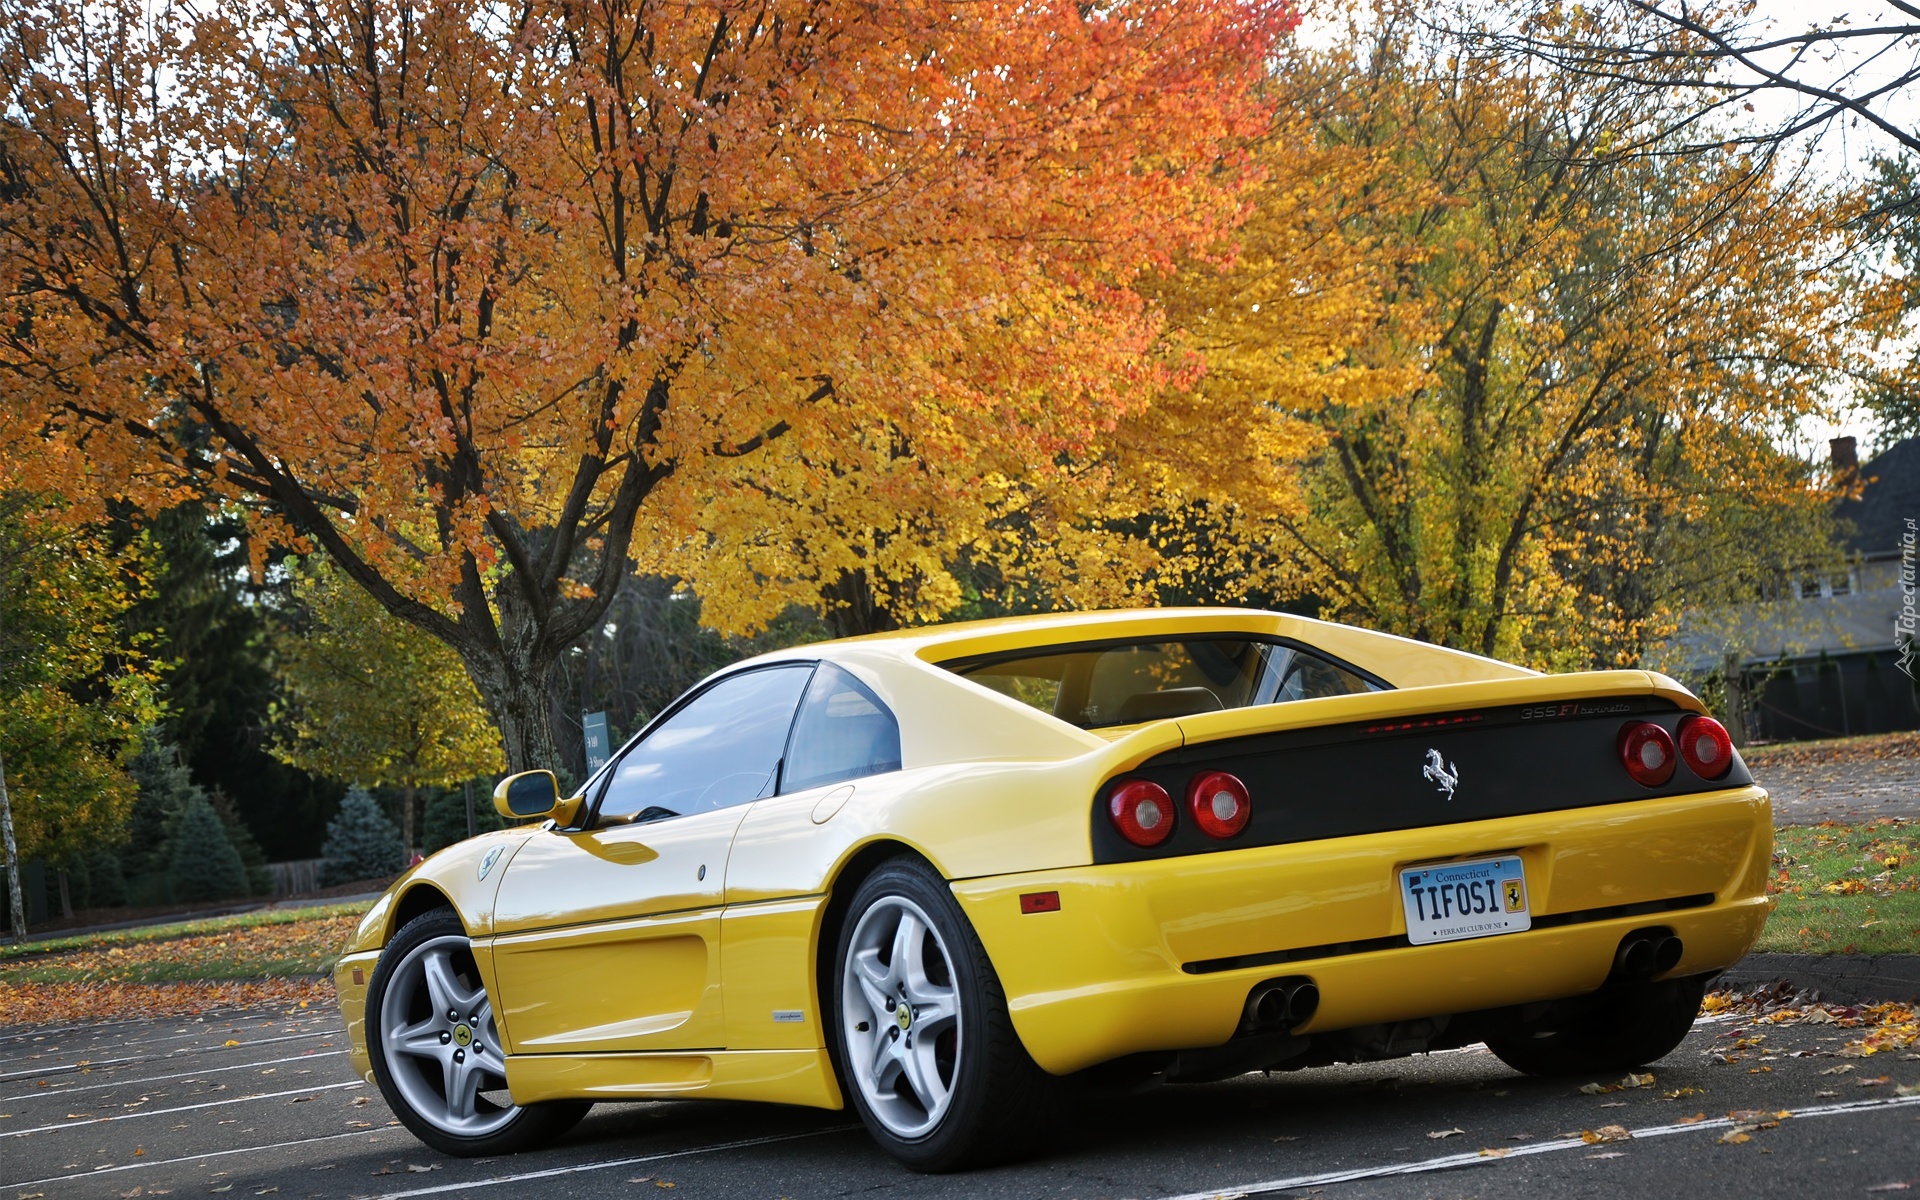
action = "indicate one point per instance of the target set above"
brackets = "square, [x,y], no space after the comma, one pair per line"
[722,748]
[844,732]
[1309,677]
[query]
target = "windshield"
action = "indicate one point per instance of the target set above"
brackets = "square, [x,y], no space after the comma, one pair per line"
[1126,683]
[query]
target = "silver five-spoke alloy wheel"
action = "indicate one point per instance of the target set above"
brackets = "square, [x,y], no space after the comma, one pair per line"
[901,1017]
[442,1047]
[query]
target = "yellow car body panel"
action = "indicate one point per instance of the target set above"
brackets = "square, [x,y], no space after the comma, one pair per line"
[728,913]
[1105,974]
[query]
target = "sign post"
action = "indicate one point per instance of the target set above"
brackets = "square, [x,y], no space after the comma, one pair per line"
[593,728]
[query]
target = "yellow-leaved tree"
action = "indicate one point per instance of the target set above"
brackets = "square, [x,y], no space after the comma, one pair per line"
[1599,337]
[369,699]
[74,690]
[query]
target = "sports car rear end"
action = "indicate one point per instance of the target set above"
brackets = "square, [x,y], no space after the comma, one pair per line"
[1414,869]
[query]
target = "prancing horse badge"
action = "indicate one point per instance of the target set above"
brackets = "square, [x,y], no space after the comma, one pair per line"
[1442,772]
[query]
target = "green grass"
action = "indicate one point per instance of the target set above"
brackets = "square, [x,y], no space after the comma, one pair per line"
[1845,889]
[271,943]
[180,929]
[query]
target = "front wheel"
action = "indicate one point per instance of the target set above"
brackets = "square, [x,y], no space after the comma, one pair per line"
[1624,1028]
[436,1051]
[921,1029]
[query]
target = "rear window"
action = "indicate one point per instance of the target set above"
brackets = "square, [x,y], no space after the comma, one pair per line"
[1125,683]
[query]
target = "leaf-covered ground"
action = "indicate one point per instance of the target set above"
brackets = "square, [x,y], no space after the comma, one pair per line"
[1846,889]
[1836,751]
[272,959]
[1877,1028]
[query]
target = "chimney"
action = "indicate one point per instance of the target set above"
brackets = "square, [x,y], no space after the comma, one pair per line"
[1843,455]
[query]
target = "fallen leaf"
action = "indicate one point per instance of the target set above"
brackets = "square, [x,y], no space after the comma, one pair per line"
[1874,1082]
[1906,1089]
[661,1183]
[1758,1070]
[1677,1093]
[641,1179]
[359,1100]
[1733,1137]
[1593,1089]
[1606,1133]
[231,1042]
[1896,1186]
[1609,1154]
[417,1169]
[1825,1095]
[1614,1104]
[1695,1119]
[1492,1152]
[1437,1134]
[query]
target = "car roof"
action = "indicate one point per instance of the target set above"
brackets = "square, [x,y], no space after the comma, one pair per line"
[945,717]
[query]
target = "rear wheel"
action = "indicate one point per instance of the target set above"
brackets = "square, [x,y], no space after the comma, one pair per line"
[1623,1028]
[921,1030]
[436,1050]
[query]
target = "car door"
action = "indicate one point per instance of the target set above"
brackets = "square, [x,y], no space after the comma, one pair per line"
[843,736]
[608,936]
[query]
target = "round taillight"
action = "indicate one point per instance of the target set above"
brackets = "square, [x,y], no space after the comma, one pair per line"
[1219,804]
[1142,812]
[1705,747]
[1646,751]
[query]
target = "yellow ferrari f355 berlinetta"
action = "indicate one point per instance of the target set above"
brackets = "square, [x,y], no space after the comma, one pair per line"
[928,873]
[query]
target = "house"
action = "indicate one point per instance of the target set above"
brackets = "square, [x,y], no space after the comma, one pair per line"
[1838,661]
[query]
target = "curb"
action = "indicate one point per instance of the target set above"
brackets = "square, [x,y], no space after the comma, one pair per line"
[1838,978]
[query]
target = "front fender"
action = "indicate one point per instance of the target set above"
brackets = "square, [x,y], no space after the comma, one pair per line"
[465,875]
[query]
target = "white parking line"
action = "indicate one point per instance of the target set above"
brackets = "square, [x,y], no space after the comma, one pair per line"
[611,1163]
[81,1065]
[168,1162]
[68,1068]
[1449,1161]
[83,1122]
[39,1093]
[71,1033]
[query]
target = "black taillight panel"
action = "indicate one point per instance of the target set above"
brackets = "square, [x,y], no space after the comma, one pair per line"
[1375,776]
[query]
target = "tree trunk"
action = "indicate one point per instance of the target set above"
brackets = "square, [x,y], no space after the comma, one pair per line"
[516,699]
[14,899]
[1734,684]
[853,609]
[66,895]
[409,801]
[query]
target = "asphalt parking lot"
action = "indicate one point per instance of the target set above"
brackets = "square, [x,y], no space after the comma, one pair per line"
[263,1104]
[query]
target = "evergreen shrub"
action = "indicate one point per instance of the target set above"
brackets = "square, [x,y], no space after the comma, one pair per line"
[361,842]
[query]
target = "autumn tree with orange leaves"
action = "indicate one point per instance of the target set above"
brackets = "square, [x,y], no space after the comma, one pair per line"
[491,304]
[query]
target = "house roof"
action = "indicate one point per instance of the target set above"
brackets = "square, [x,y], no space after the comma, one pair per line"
[1890,498]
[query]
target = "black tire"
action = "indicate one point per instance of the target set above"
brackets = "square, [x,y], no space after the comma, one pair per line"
[401,1011]
[998,1099]
[1626,1027]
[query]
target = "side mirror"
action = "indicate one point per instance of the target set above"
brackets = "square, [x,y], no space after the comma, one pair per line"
[531,795]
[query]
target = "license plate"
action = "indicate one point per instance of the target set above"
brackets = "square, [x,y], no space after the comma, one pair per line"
[1446,902]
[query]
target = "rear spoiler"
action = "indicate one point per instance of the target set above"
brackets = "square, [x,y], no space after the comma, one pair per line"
[1161,736]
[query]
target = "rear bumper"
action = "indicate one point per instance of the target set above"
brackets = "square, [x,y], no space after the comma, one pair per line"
[1141,956]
